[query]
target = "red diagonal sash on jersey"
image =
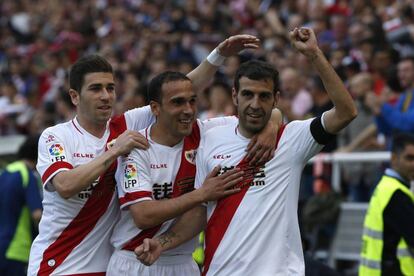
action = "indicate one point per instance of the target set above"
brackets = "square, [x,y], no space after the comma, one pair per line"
[226,208]
[88,216]
[183,183]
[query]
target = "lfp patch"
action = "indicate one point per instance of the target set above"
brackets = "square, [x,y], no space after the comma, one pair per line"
[130,175]
[57,152]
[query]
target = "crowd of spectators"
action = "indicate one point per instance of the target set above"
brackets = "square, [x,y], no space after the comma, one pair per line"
[39,40]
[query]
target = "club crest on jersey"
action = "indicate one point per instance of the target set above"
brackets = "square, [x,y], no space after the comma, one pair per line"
[190,156]
[56,152]
[130,175]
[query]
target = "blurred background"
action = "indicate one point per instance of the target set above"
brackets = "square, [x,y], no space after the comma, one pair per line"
[366,41]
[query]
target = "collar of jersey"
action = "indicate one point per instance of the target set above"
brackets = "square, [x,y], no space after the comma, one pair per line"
[152,142]
[238,134]
[83,131]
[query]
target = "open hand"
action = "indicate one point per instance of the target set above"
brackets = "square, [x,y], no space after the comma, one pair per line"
[234,44]
[217,186]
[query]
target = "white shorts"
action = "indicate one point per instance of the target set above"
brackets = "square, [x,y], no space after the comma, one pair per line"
[124,262]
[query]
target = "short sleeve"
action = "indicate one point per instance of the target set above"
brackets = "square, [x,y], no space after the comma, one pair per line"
[298,136]
[54,155]
[139,118]
[133,179]
[32,193]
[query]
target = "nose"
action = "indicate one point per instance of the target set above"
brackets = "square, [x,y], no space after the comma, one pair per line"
[255,102]
[105,94]
[188,108]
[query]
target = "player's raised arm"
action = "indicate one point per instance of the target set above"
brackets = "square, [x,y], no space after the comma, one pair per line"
[344,110]
[204,72]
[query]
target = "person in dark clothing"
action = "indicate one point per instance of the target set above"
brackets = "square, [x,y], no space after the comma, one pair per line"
[388,239]
[20,209]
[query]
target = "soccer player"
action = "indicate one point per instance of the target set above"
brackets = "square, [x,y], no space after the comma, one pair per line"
[77,165]
[156,185]
[255,231]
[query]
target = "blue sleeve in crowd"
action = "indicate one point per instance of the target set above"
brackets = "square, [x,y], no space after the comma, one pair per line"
[33,198]
[402,121]
[392,118]
[383,126]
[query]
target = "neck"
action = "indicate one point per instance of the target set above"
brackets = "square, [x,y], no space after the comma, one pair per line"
[245,133]
[96,129]
[160,136]
[403,176]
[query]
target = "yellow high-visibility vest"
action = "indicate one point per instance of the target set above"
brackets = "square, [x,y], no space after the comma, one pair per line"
[372,238]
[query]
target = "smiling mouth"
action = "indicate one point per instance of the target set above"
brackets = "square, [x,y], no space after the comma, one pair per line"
[254,116]
[185,121]
[104,108]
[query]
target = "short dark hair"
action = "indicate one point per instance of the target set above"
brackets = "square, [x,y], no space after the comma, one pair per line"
[28,150]
[257,70]
[85,65]
[407,58]
[400,141]
[155,85]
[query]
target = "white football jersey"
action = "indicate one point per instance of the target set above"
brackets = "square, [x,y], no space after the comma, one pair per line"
[256,232]
[154,174]
[74,233]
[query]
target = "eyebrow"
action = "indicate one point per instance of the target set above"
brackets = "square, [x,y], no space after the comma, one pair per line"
[100,84]
[182,97]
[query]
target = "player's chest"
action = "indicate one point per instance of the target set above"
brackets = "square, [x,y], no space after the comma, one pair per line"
[165,168]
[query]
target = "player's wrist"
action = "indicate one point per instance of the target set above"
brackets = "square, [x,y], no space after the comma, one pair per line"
[200,195]
[313,54]
[215,58]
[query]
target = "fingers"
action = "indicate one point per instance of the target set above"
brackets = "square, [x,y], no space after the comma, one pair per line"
[251,46]
[232,191]
[232,185]
[233,178]
[141,142]
[229,173]
[250,145]
[257,153]
[266,156]
[146,245]
[139,251]
[304,34]
[214,172]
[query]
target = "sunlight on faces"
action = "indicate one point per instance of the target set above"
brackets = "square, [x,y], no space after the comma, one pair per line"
[254,101]
[177,110]
[95,101]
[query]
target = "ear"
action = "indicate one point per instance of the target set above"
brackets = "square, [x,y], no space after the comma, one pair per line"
[277,96]
[155,108]
[74,96]
[234,97]
[394,160]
